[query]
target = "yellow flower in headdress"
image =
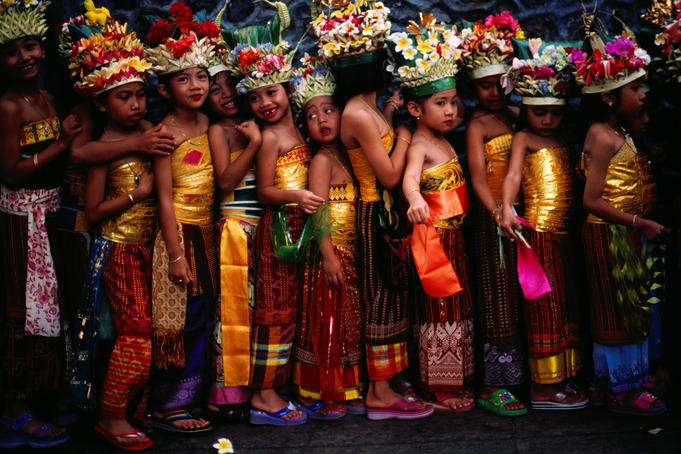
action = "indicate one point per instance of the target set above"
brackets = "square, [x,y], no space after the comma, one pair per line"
[94,14]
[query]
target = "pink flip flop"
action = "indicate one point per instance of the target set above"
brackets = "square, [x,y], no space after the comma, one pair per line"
[405,408]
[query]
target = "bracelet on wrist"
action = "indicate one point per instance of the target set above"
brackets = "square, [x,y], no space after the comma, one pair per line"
[35,160]
[405,140]
[132,200]
[633,222]
[170,262]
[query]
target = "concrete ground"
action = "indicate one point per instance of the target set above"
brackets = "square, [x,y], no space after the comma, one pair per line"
[592,430]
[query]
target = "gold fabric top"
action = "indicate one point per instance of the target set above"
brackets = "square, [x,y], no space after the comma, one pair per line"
[136,224]
[292,167]
[242,203]
[440,178]
[342,214]
[40,131]
[368,184]
[629,184]
[497,157]
[193,181]
[548,188]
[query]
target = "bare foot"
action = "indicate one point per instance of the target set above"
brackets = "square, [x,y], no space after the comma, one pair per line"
[268,400]
[121,426]
[381,395]
[457,401]
[488,390]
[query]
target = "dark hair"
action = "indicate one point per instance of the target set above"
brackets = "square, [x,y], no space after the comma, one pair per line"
[357,79]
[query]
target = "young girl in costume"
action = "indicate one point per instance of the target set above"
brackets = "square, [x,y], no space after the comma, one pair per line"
[619,195]
[117,196]
[32,151]
[377,157]
[328,350]
[540,161]
[435,188]
[184,283]
[488,143]
[282,179]
[233,146]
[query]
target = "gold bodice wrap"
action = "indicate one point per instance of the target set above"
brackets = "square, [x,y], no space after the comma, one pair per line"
[629,184]
[342,214]
[548,189]
[292,167]
[497,157]
[40,131]
[242,203]
[193,181]
[368,184]
[136,224]
[442,177]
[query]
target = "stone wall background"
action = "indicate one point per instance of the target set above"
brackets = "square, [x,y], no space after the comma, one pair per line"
[550,19]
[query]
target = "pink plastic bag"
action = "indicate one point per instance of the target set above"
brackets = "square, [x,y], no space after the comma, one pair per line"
[531,275]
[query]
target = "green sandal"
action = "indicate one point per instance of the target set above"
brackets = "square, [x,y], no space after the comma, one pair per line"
[498,400]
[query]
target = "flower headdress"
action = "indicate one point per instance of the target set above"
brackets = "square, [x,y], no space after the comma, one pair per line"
[22,18]
[182,41]
[487,48]
[108,58]
[259,56]
[541,72]
[669,41]
[312,79]
[426,56]
[353,32]
[93,18]
[608,63]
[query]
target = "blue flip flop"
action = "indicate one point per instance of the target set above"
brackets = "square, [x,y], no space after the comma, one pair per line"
[314,411]
[39,438]
[277,418]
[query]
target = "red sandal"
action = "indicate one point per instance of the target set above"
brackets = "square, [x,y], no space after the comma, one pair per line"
[644,405]
[144,441]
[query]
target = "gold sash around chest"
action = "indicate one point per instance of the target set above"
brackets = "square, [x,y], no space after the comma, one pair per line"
[242,203]
[342,214]
[193,181]
[443,177]
[292,167]
[40,131]
[136,224]
[629,184]
[548,189]
[368,184]
[497,156]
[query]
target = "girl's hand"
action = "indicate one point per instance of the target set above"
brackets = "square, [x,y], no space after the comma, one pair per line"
[179,272]
[251,131]
[156,141]
[145,186]
[651,229]
[418,212]
[70,128]
[309,201]
[395,102]
[333,272]
[509,222]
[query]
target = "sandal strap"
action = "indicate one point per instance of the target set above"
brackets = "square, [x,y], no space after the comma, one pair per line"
[501,397]
[19,424]
[284,411]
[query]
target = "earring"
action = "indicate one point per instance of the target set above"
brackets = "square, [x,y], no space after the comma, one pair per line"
[418,118]
[610,104]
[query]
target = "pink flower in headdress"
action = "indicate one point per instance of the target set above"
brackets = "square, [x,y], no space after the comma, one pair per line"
[544,72]
[576,55]
[502,20]
[622,46]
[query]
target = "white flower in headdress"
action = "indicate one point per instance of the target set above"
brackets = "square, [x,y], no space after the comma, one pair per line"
[409,53]
[422,65]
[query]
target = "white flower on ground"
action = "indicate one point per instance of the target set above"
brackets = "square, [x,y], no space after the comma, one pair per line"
[224,446]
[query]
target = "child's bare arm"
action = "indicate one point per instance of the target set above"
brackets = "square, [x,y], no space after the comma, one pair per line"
[15,169]
[233,172]
[476,164]
[98,208]
[388,169]
[156,140]
[179,270]
[267,192]
[511,185]
[418,212]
